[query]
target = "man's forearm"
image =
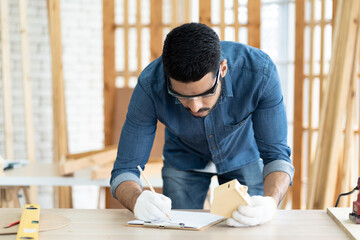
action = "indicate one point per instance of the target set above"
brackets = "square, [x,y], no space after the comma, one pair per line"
[276,185]
[127,193]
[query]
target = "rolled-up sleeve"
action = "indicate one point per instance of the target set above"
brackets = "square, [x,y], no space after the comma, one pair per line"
[270,125]
[136,139]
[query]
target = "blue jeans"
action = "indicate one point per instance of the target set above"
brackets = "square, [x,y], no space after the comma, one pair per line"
[188,189]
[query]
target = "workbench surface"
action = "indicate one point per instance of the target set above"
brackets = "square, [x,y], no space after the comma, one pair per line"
[110,224]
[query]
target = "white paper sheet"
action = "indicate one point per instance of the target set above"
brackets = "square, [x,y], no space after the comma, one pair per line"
[181,219]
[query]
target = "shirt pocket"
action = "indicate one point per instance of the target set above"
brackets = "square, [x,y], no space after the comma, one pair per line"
[232,128]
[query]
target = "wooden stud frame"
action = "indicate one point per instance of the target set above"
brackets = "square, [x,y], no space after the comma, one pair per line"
[5,49]
[60,144]
[29,123]
[109,67]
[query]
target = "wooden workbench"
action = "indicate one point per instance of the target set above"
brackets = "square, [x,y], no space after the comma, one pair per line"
[110,224]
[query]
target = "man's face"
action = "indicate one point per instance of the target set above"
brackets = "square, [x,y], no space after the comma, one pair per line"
[200,106]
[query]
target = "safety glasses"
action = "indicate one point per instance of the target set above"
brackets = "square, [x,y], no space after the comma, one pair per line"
[205,94]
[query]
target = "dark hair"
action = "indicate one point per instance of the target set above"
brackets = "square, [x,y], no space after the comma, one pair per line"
[191,51]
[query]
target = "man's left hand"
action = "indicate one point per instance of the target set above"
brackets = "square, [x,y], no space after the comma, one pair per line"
[260,211]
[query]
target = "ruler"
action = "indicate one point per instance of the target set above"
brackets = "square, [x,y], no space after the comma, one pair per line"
[29,222]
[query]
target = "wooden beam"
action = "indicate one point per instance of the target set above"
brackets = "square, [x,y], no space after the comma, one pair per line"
[174,13]
[72,165]
[109,75]
[126,43]
[205,12]
[222,20]
[332,115]
[89,153]
[6,76]
[322,51]
[156,28]
[310,144]
[236,19]
[254,7]
[29,124]
[104,171]
[60,144]
[187,7]
[139,37]
[109,67]
[347,176]
[297,188]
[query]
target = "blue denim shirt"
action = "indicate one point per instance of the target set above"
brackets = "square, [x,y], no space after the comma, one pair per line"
[247,123]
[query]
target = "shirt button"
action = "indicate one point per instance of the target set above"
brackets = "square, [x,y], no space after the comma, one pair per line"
[210,136]
[213,147]
[215,156]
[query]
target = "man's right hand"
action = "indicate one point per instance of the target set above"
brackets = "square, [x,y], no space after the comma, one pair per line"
[152,206]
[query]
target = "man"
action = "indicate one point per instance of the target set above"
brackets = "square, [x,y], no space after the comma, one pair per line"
[222,106]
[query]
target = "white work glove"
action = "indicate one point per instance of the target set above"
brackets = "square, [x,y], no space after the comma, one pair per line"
[261,210]
[152,206]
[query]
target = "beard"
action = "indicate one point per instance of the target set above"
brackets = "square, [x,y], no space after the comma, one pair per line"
[201,110]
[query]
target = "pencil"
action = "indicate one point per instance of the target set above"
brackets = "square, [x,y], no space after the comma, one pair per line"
[149,184]
[12,224]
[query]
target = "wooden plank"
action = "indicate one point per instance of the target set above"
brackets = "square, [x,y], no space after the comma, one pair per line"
[341,217]
[104,171]
[205,12]
[60,144]
[310,147]
[254,7]
[174,13]
[109,67]
[297,188]
[89,153]
[72,165]
[156,28]
[236,19]
[348,165]
[6,76]
[187,7]
[109,76]
[60,128]
[322,49]
[334,7]
[139,37]
[345,39]
[222,20]
[29,124]
[126,43]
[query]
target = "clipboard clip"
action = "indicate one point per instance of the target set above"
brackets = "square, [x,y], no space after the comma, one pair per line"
[163,225]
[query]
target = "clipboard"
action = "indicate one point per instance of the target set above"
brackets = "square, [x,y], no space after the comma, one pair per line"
[182,220]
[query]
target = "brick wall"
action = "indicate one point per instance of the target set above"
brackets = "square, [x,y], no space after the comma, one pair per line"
[82,61]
